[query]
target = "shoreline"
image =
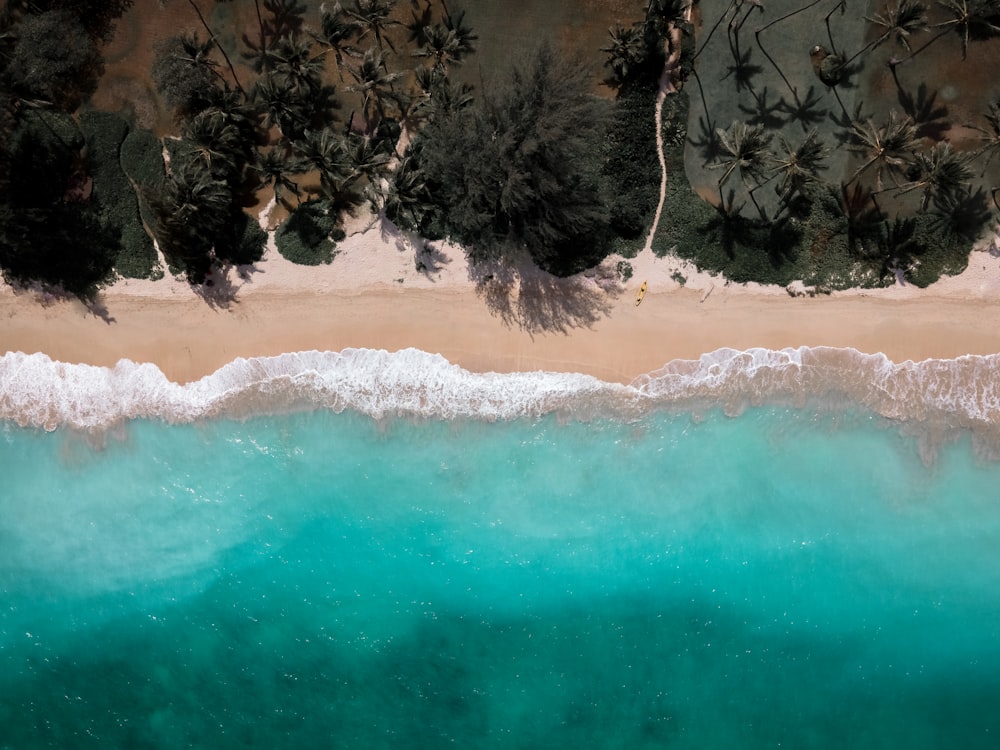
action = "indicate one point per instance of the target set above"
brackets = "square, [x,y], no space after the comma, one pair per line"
[372,296]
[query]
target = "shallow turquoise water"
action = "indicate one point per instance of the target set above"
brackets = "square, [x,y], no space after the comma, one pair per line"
[781,579]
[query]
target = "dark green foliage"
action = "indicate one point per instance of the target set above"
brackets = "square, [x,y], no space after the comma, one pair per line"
[305,237]
[54,60]
[142,162]
[519,171]
[185,73]
[96,16]
[46,234]
[114,193]
[42,150]
[243,241]
[631,173]
[142,158]
[64,245]
[191,211]
[408,202]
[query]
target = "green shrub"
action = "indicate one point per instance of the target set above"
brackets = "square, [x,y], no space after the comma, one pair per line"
[114,195]
[305,237]
[142,158]
[631,170]
[142,161]
[244,241]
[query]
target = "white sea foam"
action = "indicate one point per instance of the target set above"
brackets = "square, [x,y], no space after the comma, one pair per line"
[36,391]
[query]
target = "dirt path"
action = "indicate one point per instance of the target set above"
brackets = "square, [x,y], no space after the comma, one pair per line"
[669,84]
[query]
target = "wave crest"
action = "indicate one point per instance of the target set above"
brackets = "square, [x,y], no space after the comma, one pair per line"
[37,391]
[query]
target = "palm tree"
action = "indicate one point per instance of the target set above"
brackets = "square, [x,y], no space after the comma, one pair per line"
[280,107]
[887,146]
[439,45]
[275,168]
[374,84]
[212,39]
[292,65]
[199,54]
[863,216]
[420,23]
[375,17]
[942,173]
[975,18]
[437,95]
[216,142]
[190,211]
[463,34]
[327,152]
[338,28]
[902,20]
[990,135]
[367,156]
[663,15]
[746,149]
[408,200]
[626,52]
[990,138]
[799,166]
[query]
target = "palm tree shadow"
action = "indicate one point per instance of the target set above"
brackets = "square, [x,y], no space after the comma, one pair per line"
[763,113]
[430,260]
[845,124]
[287,17]
[427,258]
[219,291]
[707,142]
[930,119]
[743,72]
[804,111]
[525,297]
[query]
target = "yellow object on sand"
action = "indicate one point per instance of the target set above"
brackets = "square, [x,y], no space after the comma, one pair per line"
[641,293]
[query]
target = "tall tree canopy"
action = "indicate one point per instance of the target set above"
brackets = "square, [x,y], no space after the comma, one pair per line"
[517,171]
[54,60]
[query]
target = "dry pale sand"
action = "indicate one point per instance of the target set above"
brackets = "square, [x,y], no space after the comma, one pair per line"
[372,295]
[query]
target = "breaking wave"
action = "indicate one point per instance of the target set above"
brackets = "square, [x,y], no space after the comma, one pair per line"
[954,393]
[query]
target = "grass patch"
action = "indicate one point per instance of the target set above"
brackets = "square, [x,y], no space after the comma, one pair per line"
[142,162]
[114,195]
[631,170]
[308,236]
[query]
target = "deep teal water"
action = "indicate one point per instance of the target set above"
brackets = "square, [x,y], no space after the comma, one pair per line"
[780,579]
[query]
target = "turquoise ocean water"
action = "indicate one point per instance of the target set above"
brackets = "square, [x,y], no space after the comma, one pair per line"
[784,578]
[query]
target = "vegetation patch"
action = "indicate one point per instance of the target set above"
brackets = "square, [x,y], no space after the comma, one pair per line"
[309,235]
[631,171]
[795,179]
[114,195]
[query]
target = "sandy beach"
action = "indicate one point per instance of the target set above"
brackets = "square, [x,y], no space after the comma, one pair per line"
[372,295]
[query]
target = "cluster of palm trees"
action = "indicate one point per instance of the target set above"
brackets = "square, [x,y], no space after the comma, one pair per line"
[637,50]
[902,169]
[238,138]
[891,150]
[746,152]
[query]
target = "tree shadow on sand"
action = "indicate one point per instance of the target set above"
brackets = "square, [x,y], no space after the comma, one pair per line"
[521,295]
[219,290]
[428,259]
